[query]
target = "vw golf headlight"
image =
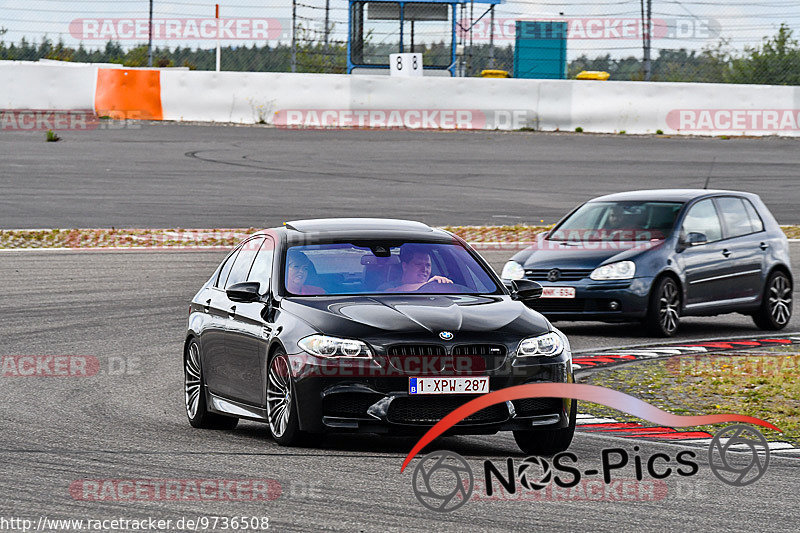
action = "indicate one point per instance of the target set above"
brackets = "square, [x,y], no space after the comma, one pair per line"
[324,346]
[513,270]
[549,344]
[618,270]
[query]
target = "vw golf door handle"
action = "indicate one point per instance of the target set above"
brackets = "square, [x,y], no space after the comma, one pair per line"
[232,312]
[726,252]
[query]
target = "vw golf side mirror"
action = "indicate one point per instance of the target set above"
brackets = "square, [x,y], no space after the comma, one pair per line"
[694,238]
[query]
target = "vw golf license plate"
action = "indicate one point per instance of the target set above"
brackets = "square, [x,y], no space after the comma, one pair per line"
[448,385]
[558,292]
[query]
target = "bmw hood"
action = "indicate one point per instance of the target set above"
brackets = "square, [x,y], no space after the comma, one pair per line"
[421,317]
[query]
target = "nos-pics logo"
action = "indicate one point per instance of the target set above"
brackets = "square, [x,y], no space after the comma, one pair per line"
[443,481]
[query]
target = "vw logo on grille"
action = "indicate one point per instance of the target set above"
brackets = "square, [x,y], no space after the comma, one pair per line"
[446,336]
[554,275]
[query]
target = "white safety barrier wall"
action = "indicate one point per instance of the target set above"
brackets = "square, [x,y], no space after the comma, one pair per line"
[688,108]
[28,85]
[248,98]
[328,100]
[315,100]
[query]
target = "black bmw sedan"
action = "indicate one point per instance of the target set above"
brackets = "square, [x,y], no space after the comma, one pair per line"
[657,255]
[370,325]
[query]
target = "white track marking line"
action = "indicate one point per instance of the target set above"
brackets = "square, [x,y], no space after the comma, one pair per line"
[639,353]
[695,441]
[596,421]
[772,446]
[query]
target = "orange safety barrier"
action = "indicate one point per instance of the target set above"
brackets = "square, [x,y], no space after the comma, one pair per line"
[123,93]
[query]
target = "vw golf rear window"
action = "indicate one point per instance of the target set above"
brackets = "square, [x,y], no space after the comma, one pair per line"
[384,268]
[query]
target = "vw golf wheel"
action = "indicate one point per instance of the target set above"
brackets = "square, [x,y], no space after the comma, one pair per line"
[776,303]
[663,313]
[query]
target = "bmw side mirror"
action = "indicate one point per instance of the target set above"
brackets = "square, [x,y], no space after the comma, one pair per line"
[525,289]
[245,292]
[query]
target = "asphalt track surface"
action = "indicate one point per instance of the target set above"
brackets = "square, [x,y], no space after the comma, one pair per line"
[168,175]
[128,310]
[131,307]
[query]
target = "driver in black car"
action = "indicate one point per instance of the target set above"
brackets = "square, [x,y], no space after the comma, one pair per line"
[415,261]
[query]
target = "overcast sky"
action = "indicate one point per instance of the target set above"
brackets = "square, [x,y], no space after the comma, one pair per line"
[595,26]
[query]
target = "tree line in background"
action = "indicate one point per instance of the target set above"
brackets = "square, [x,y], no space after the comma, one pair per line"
[776,61]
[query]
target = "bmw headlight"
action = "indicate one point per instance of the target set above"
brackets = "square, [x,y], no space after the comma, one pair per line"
[324,346]
[618,270]
[513,270]
[549,344]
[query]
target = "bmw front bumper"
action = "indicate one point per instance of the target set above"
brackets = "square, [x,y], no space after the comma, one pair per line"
[382,404]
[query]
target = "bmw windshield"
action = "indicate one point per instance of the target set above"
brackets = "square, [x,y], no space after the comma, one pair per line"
[346,268]
[618,221]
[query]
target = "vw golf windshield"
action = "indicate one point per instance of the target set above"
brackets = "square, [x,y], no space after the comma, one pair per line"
[618,221]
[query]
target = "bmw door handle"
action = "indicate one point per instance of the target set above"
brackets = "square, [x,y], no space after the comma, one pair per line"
[726,252]
[207,306]
[763,246]
[232,312]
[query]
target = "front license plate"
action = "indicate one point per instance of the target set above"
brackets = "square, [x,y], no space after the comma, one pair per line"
[449,385]
[558,292]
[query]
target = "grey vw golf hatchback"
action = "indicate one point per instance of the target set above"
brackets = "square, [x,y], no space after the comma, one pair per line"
[657,255]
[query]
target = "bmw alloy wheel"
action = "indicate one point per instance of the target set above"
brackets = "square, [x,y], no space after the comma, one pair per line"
[279,395]
[192,380]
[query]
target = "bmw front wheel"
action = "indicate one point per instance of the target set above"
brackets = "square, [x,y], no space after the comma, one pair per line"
[281,400]
[548,442]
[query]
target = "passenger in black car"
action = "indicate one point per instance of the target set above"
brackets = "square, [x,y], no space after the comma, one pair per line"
[298,267]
